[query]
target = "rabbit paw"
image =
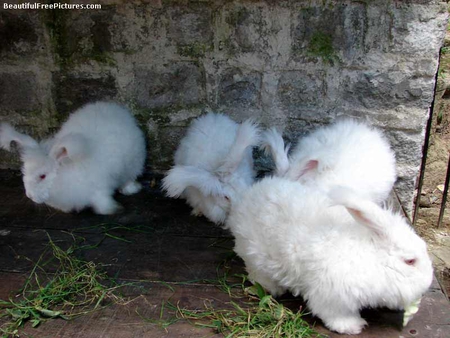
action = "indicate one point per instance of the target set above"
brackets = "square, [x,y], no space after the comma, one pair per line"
[106,205]
[346,325]
[196,212]
[130,188]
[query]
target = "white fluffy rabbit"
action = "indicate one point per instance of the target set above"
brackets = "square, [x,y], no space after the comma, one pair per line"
[341,252]
[348,153]
[213,164]
[99,149]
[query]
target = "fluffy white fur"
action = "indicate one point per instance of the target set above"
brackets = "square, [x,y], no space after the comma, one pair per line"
[99,149]
[347,152]
[213,164]
[273,143]
[341,252]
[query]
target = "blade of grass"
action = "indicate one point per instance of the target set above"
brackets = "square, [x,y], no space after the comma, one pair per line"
[75,288]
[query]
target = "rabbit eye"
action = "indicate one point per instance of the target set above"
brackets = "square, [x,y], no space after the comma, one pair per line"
[410,261]
[42,177]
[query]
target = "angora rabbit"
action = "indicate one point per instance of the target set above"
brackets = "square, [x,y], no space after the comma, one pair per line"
[341,252]
[99,149]
[213,164]
[348,153]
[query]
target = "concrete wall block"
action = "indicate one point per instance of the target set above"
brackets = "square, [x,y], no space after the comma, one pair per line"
[245,25]
[22,36]
[73,89]
[239,89]
[254,30]
[401,118]
[80,37]
[178,83]
[19,92]
[134,28]
[190,25]
[404,187]
[161,156]
[378,36]
[299,90]
[418,30]
[334,33]
[407,146]
[375,90]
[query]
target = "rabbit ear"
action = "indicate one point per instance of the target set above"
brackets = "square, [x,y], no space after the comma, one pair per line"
[8,134]
[363,211]
[273,143]
[72,146]
[309,168]
[247,135]
[180,177]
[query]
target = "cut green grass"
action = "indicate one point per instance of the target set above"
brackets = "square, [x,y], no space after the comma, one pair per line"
[75,288]
[265,318]
[107,228]
[258,316]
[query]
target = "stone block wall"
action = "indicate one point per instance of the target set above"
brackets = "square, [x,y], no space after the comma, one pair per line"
[290,63]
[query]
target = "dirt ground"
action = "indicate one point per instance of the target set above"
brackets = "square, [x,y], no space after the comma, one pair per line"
[438,238]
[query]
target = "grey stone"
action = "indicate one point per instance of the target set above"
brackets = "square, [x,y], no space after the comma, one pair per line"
[239,89]
[20,33]
[374,90]
[72,90]
[18,91]
[259,31]
[82,36]
[301,89]
[407,146]
[190,25]
[246,25]
[161,157]
[178,83]
[405,191]
[330,33]
[416,28]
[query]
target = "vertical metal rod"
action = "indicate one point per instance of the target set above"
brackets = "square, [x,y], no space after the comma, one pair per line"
[425,146]
[444,194]
[422,166]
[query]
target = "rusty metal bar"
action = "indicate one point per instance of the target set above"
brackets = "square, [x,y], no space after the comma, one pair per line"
[426,145]
[444,194]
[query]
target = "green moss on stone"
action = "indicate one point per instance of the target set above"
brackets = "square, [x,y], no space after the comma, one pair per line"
[103,58]
[194,50]
[56,25]
[159,115]
[321,46]
[236,18]
[66,46]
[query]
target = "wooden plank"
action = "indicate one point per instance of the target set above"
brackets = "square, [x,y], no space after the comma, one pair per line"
[148,208]
[135,319]
[160,242]
[130,320]
[150,256]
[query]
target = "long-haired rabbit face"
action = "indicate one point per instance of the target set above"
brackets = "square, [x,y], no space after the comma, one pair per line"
[39,172]
[233,186]
[409,259]
[401,253]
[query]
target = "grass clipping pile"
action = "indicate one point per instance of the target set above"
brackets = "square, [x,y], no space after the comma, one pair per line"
[75,288]
[260,317]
